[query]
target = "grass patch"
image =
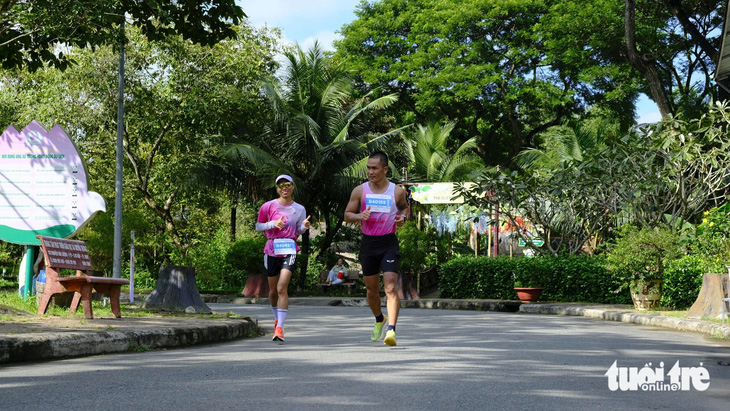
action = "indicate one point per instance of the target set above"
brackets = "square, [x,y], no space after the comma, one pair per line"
[15,301]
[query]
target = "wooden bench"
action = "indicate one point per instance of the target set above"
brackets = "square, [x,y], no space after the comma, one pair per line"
[72,254]
[353,276]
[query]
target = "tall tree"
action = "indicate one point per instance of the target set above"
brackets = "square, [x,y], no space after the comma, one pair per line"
[184,102]
[490,65]
[30,30]
[320,137]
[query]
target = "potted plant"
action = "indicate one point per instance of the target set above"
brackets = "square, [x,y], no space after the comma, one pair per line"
[527,279]
[637,259]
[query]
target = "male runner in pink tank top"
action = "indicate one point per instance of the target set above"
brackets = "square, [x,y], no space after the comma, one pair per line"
[380,207]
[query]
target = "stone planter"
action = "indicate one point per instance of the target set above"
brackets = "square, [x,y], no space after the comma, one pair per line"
[649,296]
[528,294]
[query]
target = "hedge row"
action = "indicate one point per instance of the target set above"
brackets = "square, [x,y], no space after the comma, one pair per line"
[564,279]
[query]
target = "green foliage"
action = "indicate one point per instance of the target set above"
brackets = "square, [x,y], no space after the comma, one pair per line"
[417,248]
[566,278]
[429,158]
[314,267]
[640,255]
[246,255]
[682,281]
[10,256]
[713,238]
[499,69]
[8,284]
[31,30]
[483,277]
[222,266]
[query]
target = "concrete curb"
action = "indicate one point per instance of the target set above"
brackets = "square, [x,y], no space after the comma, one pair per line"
[682,324]
[49,345]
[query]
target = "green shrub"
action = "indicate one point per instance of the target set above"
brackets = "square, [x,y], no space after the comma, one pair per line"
[713,238]
[683,281]
[482,277]
[417,248]
[564,278]
[639,256]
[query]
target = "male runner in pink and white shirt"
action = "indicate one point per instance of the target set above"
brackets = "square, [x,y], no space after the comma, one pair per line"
[281,220]
[380,207]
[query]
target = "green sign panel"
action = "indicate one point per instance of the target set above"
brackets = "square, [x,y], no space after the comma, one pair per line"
[537,242]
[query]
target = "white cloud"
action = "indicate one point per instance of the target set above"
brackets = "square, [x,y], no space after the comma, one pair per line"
[325,39]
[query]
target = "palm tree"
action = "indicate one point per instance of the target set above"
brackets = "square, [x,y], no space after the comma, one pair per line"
[429,157]
[318,137]
[568,143]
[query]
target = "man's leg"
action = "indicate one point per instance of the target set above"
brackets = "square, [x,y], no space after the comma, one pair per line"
[390,284]
[372,285]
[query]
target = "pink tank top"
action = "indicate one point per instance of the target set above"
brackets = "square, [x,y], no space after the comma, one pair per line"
[382,211]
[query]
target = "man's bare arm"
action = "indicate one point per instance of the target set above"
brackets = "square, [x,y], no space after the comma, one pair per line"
[352,214]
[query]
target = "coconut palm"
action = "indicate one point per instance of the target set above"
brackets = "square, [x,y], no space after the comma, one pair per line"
[319,137]
[430,159]
[568,143]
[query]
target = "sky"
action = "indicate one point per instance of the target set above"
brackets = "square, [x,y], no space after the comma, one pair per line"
[304,21]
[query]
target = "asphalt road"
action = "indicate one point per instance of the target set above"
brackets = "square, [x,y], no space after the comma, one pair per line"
[444,360]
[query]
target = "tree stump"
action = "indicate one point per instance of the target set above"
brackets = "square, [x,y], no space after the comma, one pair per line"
[257,285]
[714,289]
[176,291]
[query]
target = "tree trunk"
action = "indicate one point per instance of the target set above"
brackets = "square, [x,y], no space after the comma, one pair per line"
[644,63]
[330,233]
[714,288]
[176,291]
[233,222]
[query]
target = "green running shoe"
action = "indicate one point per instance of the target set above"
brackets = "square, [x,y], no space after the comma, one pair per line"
[390,338]
[378,329]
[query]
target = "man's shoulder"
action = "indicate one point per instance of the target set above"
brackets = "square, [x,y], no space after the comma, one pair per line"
[358,189]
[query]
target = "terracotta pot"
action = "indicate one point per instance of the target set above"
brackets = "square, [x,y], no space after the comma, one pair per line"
[528,294]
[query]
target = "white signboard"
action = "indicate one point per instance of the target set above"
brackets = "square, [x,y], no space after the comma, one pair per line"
[43,185]
[435,193]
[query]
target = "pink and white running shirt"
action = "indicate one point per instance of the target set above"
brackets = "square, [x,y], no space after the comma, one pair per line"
[294,215]
[382,211]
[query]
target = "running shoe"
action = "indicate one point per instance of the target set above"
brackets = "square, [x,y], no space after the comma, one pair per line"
[379,329]
[390,338]
[278,334]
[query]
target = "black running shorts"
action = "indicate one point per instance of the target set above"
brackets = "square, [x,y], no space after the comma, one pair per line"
[379,254]
[274,265]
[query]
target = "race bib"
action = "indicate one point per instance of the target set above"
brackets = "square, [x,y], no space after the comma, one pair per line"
[284,246]
[378,203]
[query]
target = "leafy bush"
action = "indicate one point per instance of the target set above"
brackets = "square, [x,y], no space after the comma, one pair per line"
[713,238]
[564,278]
[639,256]
[222,266]
[417,248]
[683,281]
[7,284]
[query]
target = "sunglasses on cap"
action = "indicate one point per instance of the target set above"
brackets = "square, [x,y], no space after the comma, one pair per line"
[285,185]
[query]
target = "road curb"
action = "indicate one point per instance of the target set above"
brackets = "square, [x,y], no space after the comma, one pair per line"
[682,324]
[49,345]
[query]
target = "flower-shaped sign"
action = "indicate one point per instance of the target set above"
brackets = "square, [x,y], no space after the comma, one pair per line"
[43,185]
